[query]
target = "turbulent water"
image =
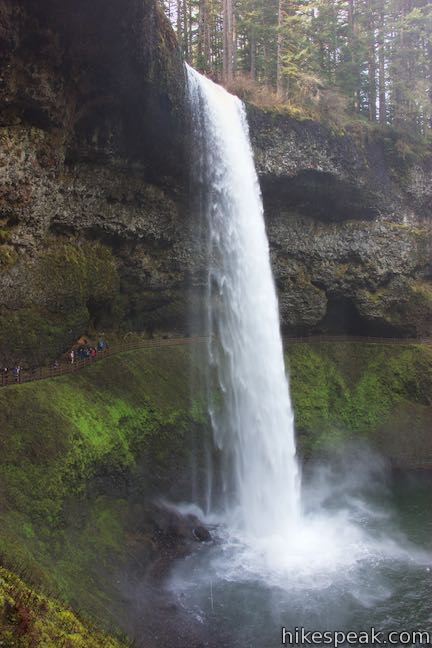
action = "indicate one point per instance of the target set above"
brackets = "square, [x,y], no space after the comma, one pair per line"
[376,576]
[253,422]
[333,557]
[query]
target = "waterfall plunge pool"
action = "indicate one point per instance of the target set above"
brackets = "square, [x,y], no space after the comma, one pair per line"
[369,566]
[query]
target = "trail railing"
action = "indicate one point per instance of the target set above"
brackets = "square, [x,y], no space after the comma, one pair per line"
[68,367]
[360,338]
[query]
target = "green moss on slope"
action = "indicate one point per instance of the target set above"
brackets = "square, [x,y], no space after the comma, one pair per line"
[78,456]
[29,620]
[351,390]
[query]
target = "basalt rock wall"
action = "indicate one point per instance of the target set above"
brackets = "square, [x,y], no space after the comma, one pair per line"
[350,228]
[96,228]
[92,173]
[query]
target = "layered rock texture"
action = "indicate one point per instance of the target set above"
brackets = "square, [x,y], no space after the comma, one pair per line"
[350,228]
[96,228]
[91,172]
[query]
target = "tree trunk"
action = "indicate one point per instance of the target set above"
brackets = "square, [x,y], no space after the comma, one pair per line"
[352,33]
[400,74]
[179,27]
[190,32]
[266,63]
[253,54]
[280,80]
[372,63]
[227,40]
[207,39]
[381,66]
[185,31]
[203,45]
[234,43]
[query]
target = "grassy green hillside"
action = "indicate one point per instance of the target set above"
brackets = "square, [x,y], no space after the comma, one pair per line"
[79,456]
[352,390]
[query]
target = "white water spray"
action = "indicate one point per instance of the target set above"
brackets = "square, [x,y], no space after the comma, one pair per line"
[253,420]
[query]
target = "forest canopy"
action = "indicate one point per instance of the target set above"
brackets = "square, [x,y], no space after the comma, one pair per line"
[370,58]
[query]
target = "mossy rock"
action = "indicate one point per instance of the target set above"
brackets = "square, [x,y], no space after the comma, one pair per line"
[403,306]
[8,255]
[28,619]
[61,294]
[75,273]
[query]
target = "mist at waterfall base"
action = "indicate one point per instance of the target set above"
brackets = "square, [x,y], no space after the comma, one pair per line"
[335,552]
[366,562]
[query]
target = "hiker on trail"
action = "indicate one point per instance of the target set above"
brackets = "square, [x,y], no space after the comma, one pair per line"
[16,372]
[72,356]
[81,353]
[101,345]
[93,352]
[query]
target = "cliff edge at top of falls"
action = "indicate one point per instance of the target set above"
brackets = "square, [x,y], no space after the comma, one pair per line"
[95,228]
[364,171]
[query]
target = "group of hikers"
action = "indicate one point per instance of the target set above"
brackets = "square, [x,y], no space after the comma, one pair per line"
[85,352]
[82,352]
[16,374]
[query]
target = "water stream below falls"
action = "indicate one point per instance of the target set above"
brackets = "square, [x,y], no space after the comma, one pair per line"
[325,554]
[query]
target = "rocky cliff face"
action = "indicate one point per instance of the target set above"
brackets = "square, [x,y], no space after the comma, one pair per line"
[95,224]
[91,172]
[349,222]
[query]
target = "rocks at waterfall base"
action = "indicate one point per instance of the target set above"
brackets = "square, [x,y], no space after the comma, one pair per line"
[174,535]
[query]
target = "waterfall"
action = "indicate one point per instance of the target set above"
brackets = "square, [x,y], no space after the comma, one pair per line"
[250,410]
[332,543]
